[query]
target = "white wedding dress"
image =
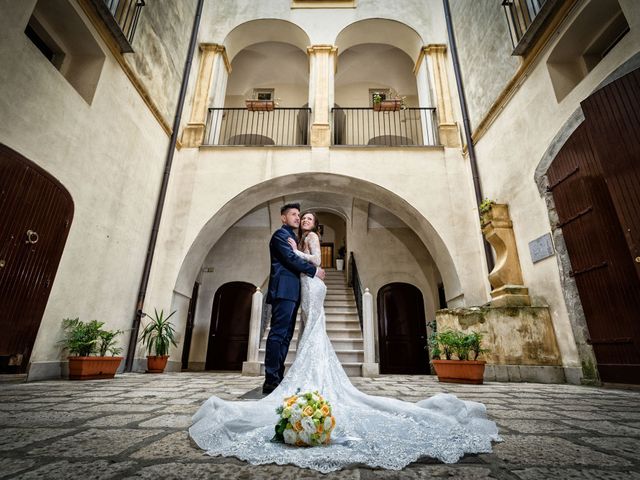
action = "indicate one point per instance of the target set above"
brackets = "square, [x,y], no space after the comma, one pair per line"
[370,430]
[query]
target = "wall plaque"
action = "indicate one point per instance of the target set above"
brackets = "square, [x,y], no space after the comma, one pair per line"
[541,248]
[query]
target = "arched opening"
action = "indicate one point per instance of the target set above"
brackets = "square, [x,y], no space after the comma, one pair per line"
[229,328]
[402,330]
[36,217]
[268,87]
[390,242]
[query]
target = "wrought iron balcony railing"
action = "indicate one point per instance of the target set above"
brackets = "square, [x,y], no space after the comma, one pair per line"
[121,18]
[365,126]
[239,126]
[525,19]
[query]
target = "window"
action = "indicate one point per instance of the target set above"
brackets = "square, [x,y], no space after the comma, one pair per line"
[593,34]
[384,94]
[264,93]
[56,29]
[47,46]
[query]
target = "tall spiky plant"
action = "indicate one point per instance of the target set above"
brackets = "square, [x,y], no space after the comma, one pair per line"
[158,335]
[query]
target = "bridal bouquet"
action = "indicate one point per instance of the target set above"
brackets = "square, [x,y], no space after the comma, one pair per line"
[305,420]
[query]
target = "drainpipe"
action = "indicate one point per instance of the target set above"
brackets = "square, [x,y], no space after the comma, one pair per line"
[466,124]
[142,292]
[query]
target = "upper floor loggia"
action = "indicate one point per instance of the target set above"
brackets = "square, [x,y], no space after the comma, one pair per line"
[377,85]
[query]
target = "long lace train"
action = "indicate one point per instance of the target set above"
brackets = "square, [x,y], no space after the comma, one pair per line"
[371,430]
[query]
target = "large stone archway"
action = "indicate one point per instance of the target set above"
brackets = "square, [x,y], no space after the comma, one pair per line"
[243,203]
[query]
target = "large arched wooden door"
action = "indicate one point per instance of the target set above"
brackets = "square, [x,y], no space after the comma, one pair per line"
[595,181]
[402,330]
[35,217]
[229,331]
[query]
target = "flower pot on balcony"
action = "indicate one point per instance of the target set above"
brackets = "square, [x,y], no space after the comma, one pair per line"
[387,105]
[91,368]
[459,371]
[260,105]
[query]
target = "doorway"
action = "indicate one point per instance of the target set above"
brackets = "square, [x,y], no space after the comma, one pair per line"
[35,217]
[229,330]
[402,330]
[595,183]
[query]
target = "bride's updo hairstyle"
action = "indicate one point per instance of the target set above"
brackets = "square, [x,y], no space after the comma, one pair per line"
[303,234]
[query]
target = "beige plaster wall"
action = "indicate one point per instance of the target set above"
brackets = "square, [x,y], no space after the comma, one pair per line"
[108,154]
[323,25]
[507,164]
[241,255]
[432,191]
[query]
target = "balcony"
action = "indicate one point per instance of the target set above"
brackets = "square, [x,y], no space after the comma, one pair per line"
[121,18]
[526,19]
[365,126]
[239,126]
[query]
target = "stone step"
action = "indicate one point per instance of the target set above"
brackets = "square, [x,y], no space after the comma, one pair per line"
[340,310]
[351,369]
[339,303]
[338,343]
[338,297]
[345,356]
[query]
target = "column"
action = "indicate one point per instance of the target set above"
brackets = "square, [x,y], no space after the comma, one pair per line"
[369,368]
[252,365]
[211,85]
[322,67]
[433,62]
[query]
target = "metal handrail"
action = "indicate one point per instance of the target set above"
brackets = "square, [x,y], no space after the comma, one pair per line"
[356,285]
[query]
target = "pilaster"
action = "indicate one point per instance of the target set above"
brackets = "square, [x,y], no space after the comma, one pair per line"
[213,71]
[322,66]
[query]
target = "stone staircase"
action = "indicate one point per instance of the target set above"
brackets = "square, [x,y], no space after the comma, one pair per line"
[343,326]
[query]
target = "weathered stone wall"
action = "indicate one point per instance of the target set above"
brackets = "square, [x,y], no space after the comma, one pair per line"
[161,44]
[484,49]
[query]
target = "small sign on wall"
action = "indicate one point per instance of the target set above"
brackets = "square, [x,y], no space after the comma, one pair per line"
[541,248]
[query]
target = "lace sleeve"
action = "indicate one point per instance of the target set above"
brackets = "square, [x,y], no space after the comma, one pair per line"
[313,243]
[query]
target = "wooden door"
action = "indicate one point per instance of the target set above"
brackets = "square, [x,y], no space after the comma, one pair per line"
[35,216]
[326,255]
[402,330]
[229,330]
[595,183]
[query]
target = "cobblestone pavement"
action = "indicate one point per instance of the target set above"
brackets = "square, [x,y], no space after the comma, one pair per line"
[135,427]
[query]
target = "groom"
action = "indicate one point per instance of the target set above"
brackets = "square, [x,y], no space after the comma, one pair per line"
[284,294]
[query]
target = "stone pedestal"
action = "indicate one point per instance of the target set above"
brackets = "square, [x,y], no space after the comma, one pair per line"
[506,277]
[521,341]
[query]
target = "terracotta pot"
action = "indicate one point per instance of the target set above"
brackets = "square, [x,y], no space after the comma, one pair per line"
[460,371]
[156,363]
[91,368]
[260,105]
[387,106]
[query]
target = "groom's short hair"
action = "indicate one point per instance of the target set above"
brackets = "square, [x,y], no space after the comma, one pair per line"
[289,206]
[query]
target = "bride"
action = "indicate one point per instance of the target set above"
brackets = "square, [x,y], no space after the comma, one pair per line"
[370,430]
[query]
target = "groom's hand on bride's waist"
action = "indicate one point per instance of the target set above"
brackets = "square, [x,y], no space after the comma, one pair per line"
[320,273]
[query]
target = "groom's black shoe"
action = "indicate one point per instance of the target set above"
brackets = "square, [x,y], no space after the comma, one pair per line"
[267,388]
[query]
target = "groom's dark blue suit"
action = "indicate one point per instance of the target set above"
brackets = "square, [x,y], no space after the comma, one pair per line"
[284,297]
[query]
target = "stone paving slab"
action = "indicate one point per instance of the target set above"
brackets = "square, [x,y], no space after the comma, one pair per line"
[135,426]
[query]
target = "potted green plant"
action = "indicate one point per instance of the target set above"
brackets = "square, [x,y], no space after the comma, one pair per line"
[484,209]
[158,335]
[381,104]
[466,348]
[88,345]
